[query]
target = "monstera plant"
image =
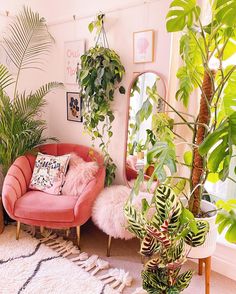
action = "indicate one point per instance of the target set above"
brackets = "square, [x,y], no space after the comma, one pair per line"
[21,127]
[164,227]
[206,48]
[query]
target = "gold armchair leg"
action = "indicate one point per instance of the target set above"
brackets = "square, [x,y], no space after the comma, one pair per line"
[109,246]
[78,235]
[17,230]
[41,230]
[67,232]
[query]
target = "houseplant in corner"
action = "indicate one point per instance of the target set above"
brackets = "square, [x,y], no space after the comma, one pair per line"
[164,226]
[211,146]
[99,75]
[21,127]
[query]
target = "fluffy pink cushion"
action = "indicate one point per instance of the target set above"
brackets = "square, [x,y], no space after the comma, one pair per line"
[80,173]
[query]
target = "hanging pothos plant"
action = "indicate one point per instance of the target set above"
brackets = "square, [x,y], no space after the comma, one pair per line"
[99,75]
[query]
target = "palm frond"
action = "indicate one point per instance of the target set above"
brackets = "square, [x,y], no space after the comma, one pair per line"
[5,77]
[28,40]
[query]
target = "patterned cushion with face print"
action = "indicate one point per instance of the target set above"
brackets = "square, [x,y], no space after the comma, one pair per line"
[49,173]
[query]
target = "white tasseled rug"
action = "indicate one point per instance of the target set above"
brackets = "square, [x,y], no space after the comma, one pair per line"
[29,266]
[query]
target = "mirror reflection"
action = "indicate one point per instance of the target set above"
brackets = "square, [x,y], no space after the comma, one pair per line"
[146,103]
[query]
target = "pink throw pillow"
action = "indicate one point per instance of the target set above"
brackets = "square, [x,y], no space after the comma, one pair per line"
[79,174]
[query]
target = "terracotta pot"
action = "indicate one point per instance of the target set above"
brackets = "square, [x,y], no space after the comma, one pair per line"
[140,155]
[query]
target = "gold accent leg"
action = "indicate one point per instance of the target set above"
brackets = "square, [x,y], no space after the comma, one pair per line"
[67,232]
[33,231]
[41,230]
[109,246]
[78,235]
[17,230]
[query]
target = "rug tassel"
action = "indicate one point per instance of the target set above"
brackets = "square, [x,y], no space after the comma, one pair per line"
[100,265]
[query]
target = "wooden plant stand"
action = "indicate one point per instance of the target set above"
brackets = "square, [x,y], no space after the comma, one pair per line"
[1,217]
[207,262]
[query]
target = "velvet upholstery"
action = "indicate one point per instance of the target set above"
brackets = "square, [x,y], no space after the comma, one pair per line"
[41,209]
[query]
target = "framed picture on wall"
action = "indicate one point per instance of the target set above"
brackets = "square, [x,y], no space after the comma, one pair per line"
[73,52]
[74,106]
[143,46]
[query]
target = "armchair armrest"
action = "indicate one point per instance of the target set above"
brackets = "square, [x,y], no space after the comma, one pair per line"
[83,207]
[17,181]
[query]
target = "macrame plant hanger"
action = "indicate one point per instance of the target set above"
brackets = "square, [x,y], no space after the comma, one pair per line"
[102,37]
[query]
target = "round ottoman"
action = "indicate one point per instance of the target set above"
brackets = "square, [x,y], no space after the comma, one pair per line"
[108,215]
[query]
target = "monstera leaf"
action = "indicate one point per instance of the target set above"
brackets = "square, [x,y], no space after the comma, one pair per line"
[218,145]
[182,14]
[225,11]
[195,240]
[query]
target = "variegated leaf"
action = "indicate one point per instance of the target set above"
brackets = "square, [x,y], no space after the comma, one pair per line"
[176,264]
[153,264]
[160,236]
[198,239]
[149,246]
[162,194]
[136,222]
[177,251]
[183,280]
[151,281]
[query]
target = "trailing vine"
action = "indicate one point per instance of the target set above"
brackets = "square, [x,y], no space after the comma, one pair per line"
[99,76]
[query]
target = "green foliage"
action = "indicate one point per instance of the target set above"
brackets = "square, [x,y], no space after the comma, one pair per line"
[225,12]
[162,240]
[21,127]
[182,14]
[226,219]
[97,24]
[199,45]
[218,146]
[99,76]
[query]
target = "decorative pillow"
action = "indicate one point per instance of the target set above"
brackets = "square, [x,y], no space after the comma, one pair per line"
[49,173]
[80,173]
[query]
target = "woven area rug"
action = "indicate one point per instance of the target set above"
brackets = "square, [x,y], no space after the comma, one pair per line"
[28,266]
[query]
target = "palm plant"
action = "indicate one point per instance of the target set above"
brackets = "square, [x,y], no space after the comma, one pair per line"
[21,128]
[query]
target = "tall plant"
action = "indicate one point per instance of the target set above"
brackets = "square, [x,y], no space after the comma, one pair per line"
[100,74]
[213,129]
[21,128]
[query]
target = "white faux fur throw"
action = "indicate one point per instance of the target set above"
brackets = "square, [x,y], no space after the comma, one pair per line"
[108,212]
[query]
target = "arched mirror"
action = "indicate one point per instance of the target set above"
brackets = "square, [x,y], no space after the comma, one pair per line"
[146,95]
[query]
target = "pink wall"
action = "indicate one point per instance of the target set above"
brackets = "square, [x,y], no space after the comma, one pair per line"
[120,26]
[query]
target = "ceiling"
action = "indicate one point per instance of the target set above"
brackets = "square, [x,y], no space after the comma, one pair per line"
[57,9]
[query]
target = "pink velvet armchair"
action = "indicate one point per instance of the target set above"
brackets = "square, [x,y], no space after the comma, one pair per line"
[40,209]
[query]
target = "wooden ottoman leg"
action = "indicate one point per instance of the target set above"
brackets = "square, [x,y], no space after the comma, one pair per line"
[200,266]
[109,246]
[68,232]
[17,230]
[41,230]
[207,274]
[78,235]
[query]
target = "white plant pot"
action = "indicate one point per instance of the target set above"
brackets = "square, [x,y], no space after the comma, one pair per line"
[208,248]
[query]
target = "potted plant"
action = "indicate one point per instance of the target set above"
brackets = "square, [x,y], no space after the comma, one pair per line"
[210,147]
[140,150]
[99,75]
[164,226]
[21,127]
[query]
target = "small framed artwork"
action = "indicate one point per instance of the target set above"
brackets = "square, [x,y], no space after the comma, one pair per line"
[143,46]
[74,106]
